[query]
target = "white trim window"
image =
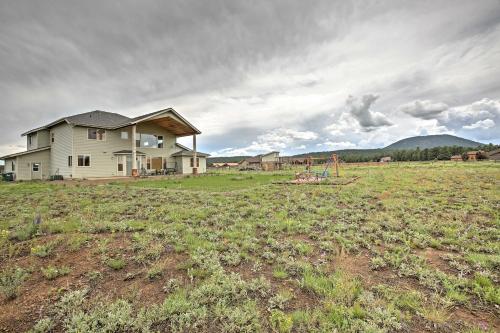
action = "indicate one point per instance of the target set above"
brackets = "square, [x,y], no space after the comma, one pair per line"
[13,166]
[160,141]
[84,161]
[35,167]
[96,134]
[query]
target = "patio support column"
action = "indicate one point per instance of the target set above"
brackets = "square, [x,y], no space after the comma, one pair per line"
[195,155]
[134,152]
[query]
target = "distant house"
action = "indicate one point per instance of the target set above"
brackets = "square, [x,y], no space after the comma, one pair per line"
[494,155]
[456,158]
[472,155]
[385,159]
[293,160]
[476,155]
[266,162]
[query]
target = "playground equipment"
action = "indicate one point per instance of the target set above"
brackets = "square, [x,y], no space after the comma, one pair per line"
[314,176]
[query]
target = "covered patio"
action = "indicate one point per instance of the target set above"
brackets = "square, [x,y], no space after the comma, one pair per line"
[174,123]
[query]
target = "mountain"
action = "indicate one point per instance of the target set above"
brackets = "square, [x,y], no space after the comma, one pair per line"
[431,141]
[364,155]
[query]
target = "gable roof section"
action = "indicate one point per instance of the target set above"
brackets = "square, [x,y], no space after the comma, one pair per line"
[24,153]
[111,120]
[189,153]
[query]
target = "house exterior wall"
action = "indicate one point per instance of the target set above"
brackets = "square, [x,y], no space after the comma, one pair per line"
[272,157]
[24,165]
[39,139]
[61,148]
[102,161]
[186,165]
[8,164]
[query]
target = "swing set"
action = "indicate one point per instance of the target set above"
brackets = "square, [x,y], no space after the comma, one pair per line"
[309,174]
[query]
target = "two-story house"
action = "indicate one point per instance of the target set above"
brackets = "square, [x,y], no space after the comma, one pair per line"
[104,144]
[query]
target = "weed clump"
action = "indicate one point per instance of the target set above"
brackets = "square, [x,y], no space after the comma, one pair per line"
[11,280]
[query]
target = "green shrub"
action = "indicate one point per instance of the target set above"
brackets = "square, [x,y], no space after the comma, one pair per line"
[486,289]
[42,251]
[155,271]
[10,281]
[338,286]
[281,322]
[44,325]
[116,263]
[52,272]
[279,272]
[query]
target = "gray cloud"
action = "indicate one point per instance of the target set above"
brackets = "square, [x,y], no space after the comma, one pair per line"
[260,66]
[424,109]
[359,108]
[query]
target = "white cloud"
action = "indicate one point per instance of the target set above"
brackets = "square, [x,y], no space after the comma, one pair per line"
[487,123]
[337,145]
[281,139]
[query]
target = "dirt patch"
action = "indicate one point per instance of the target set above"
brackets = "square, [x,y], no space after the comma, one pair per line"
[483,320]
[434,258]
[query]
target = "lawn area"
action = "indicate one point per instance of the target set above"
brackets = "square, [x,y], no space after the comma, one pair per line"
[219,182]
[410,247]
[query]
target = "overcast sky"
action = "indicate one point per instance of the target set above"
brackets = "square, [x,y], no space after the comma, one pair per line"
[254,76]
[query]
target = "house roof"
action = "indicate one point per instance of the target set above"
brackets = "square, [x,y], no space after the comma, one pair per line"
[189,153]
[24,153]
[494,152]
[111,120]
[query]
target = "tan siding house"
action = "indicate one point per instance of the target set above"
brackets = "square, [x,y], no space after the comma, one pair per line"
[103,144]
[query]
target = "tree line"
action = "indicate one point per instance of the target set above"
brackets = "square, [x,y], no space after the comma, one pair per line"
[427,154]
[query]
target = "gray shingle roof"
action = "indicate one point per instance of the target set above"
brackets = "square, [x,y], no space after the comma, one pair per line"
[189,153]
[101,119]
[107,120]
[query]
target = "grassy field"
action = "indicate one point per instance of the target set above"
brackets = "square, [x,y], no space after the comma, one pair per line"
[410,247]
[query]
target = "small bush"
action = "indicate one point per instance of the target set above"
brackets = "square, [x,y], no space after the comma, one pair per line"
[281,322]
[51,272]
[155,271]
[10,281]
[116,263]
[42,251]
[171,286]
[280,273]
[43,326]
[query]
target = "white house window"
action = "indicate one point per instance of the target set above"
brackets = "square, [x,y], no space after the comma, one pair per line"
[13,166]
[52,137]
[83,160]
[70,161]
[96,134]
[36,167]
[160,141]
[125,135]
